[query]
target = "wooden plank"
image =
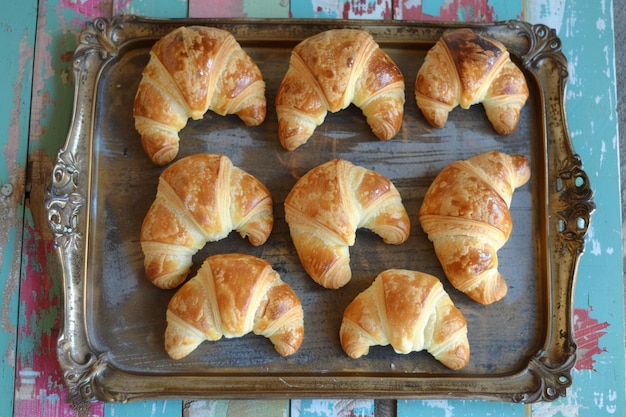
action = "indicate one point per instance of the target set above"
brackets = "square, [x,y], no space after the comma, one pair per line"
[239,8]
[342,9]
[17,34]
[458,10]
[458,408]
[237,408]
[332,408]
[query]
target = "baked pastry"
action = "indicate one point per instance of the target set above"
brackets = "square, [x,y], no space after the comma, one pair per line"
[191,70]
[233,295]
[466,215]
[326,207]
[200,198]
[464,68]
[410,311]
[329,71]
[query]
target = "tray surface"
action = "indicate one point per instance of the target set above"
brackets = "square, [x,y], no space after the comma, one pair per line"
[111,345]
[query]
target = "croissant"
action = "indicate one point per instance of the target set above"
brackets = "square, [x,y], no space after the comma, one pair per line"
[466,215]
[326,207]
[200,198]
[410,311]
[233,295]
[192,70]
[329,71]
[464,68]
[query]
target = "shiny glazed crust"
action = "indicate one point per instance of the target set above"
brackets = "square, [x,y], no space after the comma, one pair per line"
[410,311]
[326,207]
[232,295]
[464,68]
[200,198]
[192,70]
[466,215]
[329,71]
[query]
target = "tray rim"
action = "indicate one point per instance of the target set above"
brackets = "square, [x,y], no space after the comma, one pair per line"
[88,373]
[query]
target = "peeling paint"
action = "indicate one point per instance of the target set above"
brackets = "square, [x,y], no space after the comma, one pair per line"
[11,205]
[588,332]
[448,10]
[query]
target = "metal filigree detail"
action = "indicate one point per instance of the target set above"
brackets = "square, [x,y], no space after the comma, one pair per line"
[544,44]
[575,204]
[81,376]
[65,202]
[103,36]
[554,379]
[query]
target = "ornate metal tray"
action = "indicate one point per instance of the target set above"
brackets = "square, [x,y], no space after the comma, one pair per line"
[111,343]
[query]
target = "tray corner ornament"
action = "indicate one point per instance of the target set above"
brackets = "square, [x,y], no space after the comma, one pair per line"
[88,373]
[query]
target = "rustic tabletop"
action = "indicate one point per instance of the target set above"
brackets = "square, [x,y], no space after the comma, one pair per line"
[36,98]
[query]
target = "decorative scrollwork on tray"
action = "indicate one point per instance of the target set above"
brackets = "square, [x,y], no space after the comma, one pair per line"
[81,376]
[574,191]
[103,36]
[554,379]
[544,44]
[64,202]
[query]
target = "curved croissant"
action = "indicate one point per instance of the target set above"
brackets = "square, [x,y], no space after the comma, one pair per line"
[466,215]
[232,295]
[464,68]
[200,198]
[192,70]
[409,310]
[326,207]
[329,71]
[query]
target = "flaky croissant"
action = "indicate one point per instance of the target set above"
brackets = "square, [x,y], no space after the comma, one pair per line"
[326,207]
[200,198]
[191,70]
[466,215]
[410,311]
[329,71]
[232,295]
[464,68]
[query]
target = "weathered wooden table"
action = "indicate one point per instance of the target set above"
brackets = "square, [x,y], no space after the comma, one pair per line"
[36,96]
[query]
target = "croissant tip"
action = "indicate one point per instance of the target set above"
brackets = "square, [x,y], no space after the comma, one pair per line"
[164,156]
[168,282]
[291,143]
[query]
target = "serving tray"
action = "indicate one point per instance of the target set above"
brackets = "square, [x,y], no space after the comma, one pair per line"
[111,343]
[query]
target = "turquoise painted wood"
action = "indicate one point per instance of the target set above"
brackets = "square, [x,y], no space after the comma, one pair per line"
[254,9]
[469,408]
[17,35]
[331,408]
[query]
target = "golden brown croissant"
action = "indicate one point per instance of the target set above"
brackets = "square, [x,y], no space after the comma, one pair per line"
[192,70]
[326,207]
[329,71]
[466,215]
[200,198]
[464,68]
[232,295]
[409,310]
